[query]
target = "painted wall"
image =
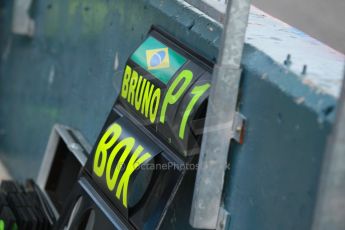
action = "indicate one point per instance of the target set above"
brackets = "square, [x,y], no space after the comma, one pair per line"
[70,73]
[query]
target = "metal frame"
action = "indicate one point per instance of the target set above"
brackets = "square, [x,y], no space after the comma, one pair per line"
[213,8]
[102,204]
[62,132]
[220,113]
[75,142]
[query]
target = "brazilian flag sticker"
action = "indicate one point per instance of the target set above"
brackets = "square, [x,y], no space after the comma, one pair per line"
[158,59]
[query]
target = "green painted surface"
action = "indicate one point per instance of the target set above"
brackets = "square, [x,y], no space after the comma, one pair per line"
[2,225]
[14,226]
[162,66]
[68,73]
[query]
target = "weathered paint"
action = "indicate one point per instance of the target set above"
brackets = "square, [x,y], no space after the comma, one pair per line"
[277,39]
[318,65]
[66,74]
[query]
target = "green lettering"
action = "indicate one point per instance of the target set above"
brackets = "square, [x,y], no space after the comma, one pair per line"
[132,86]
[198,91]
[154,105]
[171,96]
[2,225]
[133,164]
[108,139]
[125,81]
[147,99]
[127,144]
[138,99]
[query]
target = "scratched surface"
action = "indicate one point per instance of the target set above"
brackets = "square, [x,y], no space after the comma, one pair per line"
[325,66]
[69,73]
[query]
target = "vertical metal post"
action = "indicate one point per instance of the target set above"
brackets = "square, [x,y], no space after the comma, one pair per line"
[330,206]
[220,118]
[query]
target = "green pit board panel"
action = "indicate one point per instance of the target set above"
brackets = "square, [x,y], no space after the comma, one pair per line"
[168,108]
[144,148]
[70,72]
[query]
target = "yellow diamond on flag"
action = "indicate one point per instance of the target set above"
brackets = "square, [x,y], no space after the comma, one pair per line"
[157,58]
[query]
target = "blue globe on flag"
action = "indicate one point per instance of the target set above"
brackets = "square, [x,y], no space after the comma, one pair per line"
[157,58]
